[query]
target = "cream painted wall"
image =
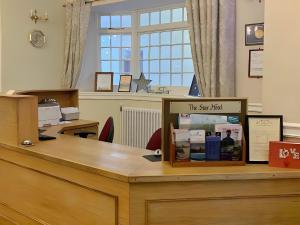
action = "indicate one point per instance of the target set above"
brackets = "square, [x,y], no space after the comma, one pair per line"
[281,59]
[248,11]
[23,66]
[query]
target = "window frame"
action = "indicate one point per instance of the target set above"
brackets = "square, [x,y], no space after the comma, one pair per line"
[136,30]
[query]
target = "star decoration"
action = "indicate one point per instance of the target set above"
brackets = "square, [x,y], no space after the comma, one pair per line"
[142,83]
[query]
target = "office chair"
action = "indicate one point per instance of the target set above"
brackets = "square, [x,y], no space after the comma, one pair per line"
[154,142]
[106,135]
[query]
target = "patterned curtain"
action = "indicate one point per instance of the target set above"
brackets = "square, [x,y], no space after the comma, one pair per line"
[77,20]
[213,45]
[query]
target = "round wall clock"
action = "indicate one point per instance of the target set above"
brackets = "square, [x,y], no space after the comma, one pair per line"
[37,38]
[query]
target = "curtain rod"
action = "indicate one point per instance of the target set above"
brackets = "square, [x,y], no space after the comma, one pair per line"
[86,2]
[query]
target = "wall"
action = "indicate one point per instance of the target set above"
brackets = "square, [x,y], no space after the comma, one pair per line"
[23,66]
[281,60]
[248,11]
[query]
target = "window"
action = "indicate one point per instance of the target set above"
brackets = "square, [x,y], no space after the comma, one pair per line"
[155,42]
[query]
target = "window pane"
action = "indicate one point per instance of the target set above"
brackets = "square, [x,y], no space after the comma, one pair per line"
[126,21]
[154,18]
[177,37]
[144,19]
[176,66]
[165,80]
[105,53]
[105,66]
[115,65]
[126,66]
[187,79]
[144,66]
[126,40]
[116,41]
[126,53]
[165,52]
[176,51]
[165,66]
[147,75]
[144,53]
[184,14]
[176,80]
[188,65]
[154,52]
[115,53]
[105,41]
[165,38]
[144,40]
[186,35]
[116,21]
[177,15]
[154,66]
[187,51]
[105,22]
[116,79]
[154,39]
[165,16]
[154,79]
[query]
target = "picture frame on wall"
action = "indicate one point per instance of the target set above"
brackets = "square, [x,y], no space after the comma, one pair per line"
[125,83]
[254,34]
[255,64]
[260,130]
[104,81]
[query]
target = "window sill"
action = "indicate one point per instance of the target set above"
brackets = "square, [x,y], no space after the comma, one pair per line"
[128,96]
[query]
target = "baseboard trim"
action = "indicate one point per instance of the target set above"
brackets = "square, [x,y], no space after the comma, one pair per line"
[255,108]
[291,130]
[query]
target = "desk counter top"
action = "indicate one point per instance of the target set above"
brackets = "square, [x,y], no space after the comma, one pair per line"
[127,164]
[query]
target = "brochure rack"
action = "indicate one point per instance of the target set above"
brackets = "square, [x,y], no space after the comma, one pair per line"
[209,106]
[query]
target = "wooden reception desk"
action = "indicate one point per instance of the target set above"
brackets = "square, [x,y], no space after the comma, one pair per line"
[74,181]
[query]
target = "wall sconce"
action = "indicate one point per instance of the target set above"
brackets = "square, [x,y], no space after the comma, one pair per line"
[34,17]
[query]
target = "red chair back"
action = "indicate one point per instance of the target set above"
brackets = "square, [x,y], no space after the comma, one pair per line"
[107,133]
[155,141]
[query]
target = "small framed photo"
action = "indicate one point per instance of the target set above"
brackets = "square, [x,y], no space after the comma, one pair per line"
[255,66]
[254,34]
[104,81]
[260,130]
[125,83]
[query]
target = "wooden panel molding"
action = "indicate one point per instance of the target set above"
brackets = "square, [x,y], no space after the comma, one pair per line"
[235,210]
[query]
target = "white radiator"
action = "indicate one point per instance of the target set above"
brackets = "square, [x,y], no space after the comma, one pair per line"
[137,125]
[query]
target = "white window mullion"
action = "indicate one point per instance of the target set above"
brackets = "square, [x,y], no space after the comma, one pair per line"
[135,46]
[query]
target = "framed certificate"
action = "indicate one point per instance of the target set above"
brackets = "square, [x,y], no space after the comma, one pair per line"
[260,130]
[104,81]
[255,67]
[125,83]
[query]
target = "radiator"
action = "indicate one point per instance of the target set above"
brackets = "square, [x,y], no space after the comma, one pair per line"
[138,124]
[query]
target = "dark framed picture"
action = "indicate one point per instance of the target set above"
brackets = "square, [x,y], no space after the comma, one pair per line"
[104,81]
[255,65]
[260,130]
[125,83]
[254,34]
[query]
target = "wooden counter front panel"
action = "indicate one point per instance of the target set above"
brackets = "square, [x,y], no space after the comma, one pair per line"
[249,202]
[48,200]
[261,210]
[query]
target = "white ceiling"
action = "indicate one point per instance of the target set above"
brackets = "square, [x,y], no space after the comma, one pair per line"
[131,5]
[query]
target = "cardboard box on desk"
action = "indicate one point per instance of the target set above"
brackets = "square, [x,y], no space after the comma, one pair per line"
[284,154]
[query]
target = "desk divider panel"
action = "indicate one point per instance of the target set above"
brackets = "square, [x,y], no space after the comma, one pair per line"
[208,106]
[19,119]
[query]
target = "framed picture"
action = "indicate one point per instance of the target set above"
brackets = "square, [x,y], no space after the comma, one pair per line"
[125,83]
[104,81]
[255,65]
[260,130]
[254,34]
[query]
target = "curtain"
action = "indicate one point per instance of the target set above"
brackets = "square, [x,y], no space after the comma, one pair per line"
[77,20]
[212,35]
